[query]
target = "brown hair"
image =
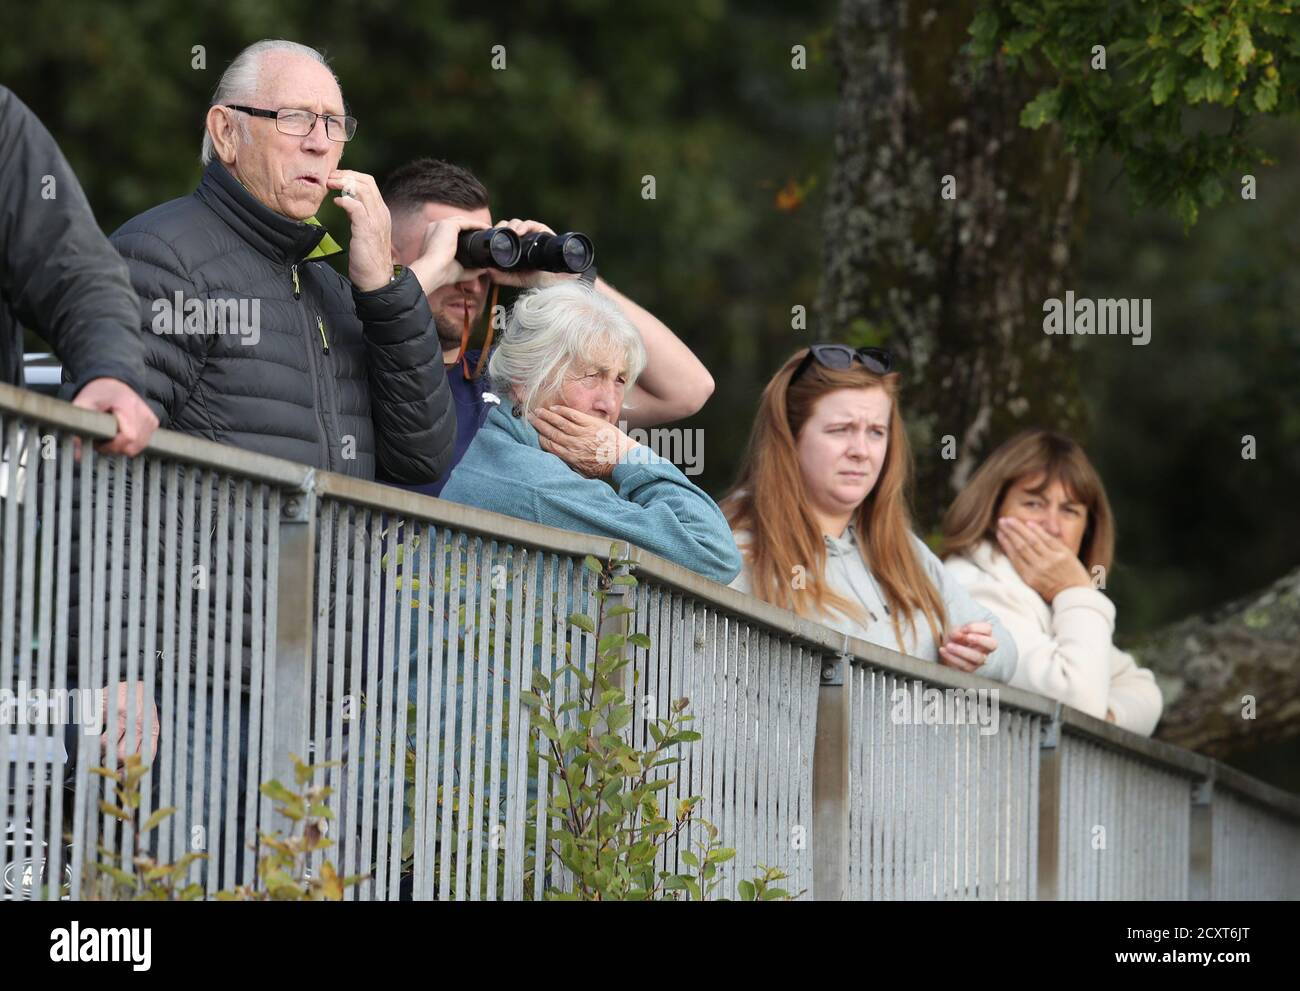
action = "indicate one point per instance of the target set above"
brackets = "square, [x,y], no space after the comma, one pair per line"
[430,180]
[770,501]
[972,516]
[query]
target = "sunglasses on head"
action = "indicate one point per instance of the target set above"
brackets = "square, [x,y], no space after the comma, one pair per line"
[841,356]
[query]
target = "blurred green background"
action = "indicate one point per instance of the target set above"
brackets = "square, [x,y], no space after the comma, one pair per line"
[701,95]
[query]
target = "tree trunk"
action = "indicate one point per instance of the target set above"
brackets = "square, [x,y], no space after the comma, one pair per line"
[954,285]
[1230,679]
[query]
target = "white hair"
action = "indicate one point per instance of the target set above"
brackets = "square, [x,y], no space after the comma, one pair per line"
[553,329]
[238,84]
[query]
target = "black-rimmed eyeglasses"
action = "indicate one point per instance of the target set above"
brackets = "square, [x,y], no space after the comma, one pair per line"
[300,123]
[841,356]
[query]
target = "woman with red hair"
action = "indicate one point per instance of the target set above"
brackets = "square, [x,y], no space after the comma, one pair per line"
[820,516]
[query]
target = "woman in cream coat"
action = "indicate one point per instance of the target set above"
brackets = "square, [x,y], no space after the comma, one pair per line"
[1031,537]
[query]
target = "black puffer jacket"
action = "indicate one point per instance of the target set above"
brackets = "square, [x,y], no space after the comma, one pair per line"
[315,370]
[362,392]
[58,274]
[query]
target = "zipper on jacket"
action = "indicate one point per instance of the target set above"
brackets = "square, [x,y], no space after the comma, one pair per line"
[324,342]
[318,388]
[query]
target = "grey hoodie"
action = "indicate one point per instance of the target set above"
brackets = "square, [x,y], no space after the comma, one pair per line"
[848,574]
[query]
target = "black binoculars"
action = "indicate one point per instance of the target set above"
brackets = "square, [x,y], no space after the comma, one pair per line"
[500,247]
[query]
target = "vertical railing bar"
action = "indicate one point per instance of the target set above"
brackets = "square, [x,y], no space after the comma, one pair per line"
[762,721]
[219,771]
[809,685]
[148,651]
[386,701]
[831,768]
[339,535]
[206,797]
[522,593]
[420,800]
[657,676]
[564,605]
[397,665]
[497,725]
[257,603]
[240,492]
[289,691]
[113,658]
[1033,734]
[9,448]
[85,676]
[43,789]
[713,769]
[481,751]
[28,756]
[787,721]
[188,720]
[673,681]
[1047,822]
[374,756]
[62,611]
[171,733]
[269,707]
[859,725]
[454,625]
[984,827]
[100,473]
[432,579]
[549,578]
[360,753]
[133,520]
[1200,861]
[327,513]
[467,698]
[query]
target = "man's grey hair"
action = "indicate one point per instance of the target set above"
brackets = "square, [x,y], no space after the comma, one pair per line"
[550,331]
[238,84]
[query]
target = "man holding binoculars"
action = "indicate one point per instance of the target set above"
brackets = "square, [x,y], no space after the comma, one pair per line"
[428,200]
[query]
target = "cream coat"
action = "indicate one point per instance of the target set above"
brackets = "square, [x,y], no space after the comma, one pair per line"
[1066,650]
[848,574]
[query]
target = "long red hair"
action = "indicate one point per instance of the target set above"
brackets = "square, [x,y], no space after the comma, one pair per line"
[770,502]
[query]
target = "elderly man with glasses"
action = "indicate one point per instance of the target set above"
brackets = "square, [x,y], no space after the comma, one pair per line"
[253,339]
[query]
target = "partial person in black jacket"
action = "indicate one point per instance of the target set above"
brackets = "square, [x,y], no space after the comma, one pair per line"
[293,359]
[253,340]
[61,279]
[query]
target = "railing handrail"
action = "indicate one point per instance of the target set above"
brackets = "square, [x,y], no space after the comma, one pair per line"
[165,443]
[302,478]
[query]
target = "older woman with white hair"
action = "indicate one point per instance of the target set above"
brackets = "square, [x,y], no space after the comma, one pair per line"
[551,452]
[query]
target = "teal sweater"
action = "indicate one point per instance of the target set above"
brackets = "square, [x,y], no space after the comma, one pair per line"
[655,507]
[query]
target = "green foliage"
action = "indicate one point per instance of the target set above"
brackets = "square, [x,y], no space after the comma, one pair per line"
[282,870]
[1165,63]
[1221,366]
[761,888]
[144,879]
[608,825]
[608,821]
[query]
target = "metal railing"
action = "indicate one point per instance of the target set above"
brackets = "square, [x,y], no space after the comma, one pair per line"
[271,610]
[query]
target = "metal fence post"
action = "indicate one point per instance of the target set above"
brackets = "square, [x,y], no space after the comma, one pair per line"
[289,706]
[1200,853]
[830,832]
[1049,809]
